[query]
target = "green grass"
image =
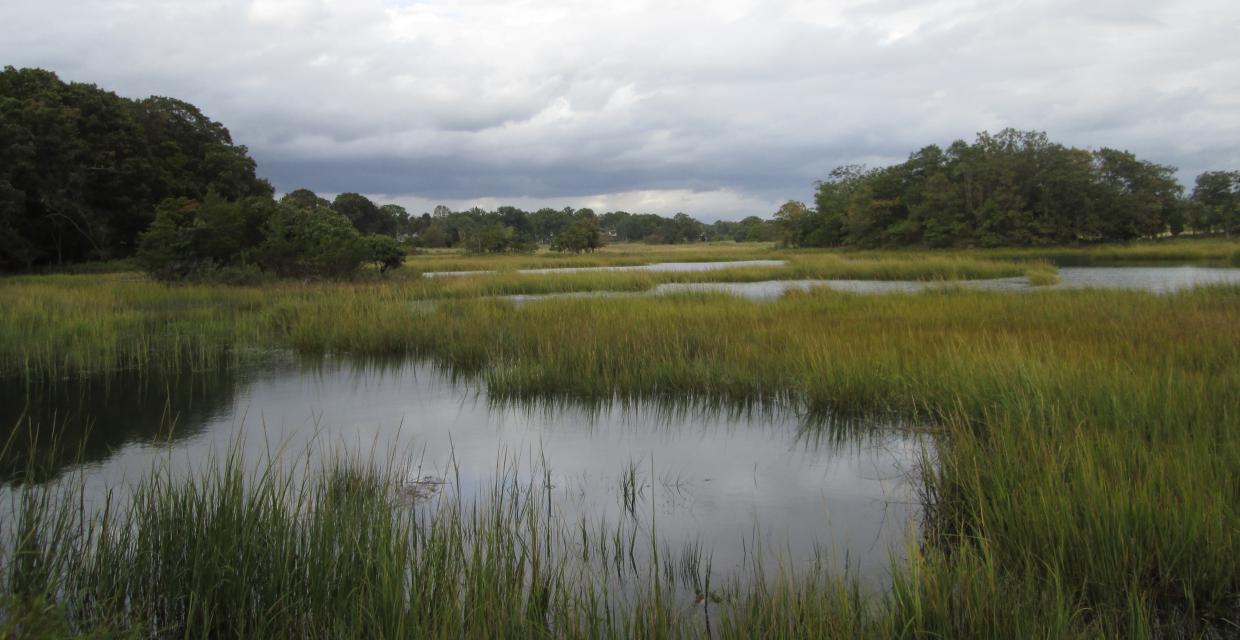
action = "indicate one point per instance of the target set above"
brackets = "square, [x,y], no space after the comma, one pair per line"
[232,550]
[67,325]
[1209,250]
[1087,448]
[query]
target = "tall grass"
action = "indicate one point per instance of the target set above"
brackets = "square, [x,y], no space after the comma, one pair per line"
[1210,250]
[58,326]
[1084,484]
[236,551]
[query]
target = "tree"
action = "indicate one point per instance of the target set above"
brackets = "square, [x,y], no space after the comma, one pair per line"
[1011,188]
[581,234]
[384,252]
[82,170]
[793,220]
[304,199]
[193,239]
[364,214]
[311,243]
[547,223]
[1216,202]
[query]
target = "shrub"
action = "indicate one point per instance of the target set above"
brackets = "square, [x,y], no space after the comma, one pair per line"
[314,242]
[384,252]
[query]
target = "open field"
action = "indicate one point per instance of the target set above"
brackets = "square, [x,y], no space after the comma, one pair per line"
[1084,482]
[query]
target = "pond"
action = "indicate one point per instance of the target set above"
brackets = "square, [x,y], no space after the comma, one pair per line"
[657,266]
[745,485]
[1160,279]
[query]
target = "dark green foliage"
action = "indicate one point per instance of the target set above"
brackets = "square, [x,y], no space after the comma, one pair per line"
[509,229]
[365,215]
[655,229]
[751,229]
[193,239]
[232,241]
[1215,205]
[304,199]
[1013,188]
[384,252]
[82,169]
[582,234]
[306,243]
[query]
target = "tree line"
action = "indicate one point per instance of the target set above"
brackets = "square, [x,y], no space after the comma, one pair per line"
[1013,188]
[512,229]
[88,175]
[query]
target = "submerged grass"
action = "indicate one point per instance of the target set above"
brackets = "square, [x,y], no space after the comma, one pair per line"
[226,552]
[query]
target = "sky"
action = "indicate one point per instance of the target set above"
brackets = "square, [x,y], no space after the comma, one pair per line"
[718,108]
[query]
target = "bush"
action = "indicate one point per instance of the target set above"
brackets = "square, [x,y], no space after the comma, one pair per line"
[315,242]
[384,252]
[190,239]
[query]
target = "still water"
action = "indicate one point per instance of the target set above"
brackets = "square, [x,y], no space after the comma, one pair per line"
[741,483]
[657,266]
[1153,279]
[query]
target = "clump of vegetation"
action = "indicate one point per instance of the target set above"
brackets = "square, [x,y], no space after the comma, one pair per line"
[581,234]
[1042,275]
[220,240]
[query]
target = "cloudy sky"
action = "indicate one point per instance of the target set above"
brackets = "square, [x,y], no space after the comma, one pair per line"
[718,108]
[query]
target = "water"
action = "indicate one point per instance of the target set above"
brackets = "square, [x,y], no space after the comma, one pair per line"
[1156,279]
[657,266]
[1153,279]
[729,480]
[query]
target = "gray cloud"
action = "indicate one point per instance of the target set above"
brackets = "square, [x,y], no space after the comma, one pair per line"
[719,108]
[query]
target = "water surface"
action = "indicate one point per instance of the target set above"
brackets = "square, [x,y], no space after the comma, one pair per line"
[1154,279]
[741,483]
[657,266]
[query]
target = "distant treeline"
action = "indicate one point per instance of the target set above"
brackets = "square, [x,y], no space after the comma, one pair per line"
[1014,188]
[512,229]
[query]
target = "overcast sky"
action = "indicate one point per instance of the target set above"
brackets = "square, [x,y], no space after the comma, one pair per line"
[718,108]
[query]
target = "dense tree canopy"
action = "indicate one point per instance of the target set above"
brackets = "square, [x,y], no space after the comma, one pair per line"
[82,169]
[1013,188]
[1215,206]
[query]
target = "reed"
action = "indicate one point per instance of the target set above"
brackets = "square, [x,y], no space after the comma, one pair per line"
[68,325]
[1083,482]
[233,550]
[1206,250]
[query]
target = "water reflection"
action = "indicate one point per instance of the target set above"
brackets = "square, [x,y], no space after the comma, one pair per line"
[87,421]
[712,475]
[1153,279]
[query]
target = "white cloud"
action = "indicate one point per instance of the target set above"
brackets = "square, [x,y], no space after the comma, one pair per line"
[535,100]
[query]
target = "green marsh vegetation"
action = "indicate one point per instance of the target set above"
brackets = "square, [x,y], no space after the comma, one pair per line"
[1083,481]
[63,325]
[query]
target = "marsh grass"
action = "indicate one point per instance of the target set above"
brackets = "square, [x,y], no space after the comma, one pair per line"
[1084,482]
[234,550]
[1204,250]
[53,327]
